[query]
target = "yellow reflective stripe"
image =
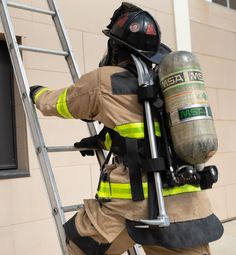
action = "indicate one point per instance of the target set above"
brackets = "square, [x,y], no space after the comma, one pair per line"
[123,190]
[131,130]
[118,190]
[180,189]
[62,107]
[107,142]
[157,128]
[135,130]
[39,93]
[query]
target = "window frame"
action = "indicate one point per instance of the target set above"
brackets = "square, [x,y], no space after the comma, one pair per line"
[12,132]
[21,168]
[227,4]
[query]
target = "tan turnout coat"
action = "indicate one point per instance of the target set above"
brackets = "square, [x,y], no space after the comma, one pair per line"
[92,98]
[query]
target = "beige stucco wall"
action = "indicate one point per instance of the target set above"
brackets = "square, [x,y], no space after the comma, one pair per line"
[26,224]
[213,34]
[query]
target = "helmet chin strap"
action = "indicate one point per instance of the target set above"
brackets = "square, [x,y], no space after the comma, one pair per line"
[118,55]
[115,54]
[106,60]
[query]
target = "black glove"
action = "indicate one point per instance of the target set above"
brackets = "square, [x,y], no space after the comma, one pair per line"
[88,142]
[33,90]
[87,153]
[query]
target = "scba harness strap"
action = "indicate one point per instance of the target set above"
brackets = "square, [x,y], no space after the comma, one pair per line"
[134,169]
[136,188]
[133,155]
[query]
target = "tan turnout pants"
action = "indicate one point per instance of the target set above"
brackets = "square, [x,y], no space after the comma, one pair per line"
[123,241]
[106,223]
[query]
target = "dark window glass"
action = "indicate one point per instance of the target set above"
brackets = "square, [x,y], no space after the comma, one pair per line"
[233,4]
[222,2]
[7,117]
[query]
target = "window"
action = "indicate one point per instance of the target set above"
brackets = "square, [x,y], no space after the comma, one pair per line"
[12,127]
[8,158]
[232,4]
[227,3]
[221,2]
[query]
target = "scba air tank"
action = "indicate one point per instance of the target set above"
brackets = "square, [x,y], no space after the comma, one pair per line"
[186,101]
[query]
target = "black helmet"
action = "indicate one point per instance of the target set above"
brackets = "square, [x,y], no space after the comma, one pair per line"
[139,32]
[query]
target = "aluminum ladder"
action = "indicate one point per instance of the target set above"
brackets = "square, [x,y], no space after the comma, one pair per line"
[42,150]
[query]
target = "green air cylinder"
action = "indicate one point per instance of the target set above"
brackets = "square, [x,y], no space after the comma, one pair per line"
[190,118]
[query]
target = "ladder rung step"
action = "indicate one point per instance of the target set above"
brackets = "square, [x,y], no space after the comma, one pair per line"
[41,50]
[71,208]
[66,148]
[29,8]
[61,148]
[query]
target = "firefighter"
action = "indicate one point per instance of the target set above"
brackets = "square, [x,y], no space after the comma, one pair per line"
[108,94]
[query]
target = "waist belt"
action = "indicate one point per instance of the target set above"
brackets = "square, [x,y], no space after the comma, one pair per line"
[111,190]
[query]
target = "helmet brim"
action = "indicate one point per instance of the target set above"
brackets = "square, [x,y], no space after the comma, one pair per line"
[154,57]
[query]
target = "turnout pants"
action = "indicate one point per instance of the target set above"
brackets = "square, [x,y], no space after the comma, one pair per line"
[123,242]
[100,227]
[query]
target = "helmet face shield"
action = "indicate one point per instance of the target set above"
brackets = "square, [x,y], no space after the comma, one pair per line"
[139,32]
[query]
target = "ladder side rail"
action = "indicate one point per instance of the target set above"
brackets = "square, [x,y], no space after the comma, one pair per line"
[41,150]
[74,70]
[64,39]
[93,128]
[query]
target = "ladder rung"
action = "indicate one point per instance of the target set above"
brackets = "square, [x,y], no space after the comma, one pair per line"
[53,52]
[71,208]
[61,148]
[29,8]
[66,148]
